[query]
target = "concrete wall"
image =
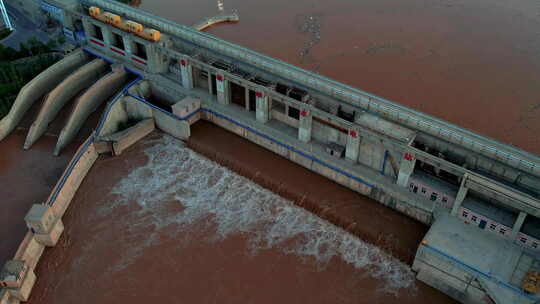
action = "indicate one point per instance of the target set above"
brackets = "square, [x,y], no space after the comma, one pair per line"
[30,250]
[132,135]
[39,86]
[74,180]
[63,93]
[448,278]
[324,133]
[441,195]
[371,154]
[137,110]
[102,90]
[277,115]
[172,126]
[116,114]
[412,211]
[129,107]
[291,155]
[124,139]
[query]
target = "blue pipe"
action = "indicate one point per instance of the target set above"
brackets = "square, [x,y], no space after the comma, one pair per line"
[384,162]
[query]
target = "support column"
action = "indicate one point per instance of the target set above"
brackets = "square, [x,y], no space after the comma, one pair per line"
[187,74]
[246,98]
[223,87]
[352,150]
[262,107]
[89,32]
[462,193]
[107,35]
[209,75]
[517,225]
[128,45]
[304,127]
[406,168]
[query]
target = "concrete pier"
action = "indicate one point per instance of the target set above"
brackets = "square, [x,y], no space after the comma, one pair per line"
[406,168]
[304,129]
[187,74]
[352,149]
[223,90]
[262,107]
[462,193]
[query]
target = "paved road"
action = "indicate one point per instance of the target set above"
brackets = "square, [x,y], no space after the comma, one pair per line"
[24,29]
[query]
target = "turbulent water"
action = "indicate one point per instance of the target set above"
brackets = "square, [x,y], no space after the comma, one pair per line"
[232,204]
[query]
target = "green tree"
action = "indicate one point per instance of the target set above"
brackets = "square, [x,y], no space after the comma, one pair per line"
[52,44]
[24,51]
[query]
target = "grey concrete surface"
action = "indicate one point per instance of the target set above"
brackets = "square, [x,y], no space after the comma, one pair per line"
[83,78]
[98,93]
[455,257]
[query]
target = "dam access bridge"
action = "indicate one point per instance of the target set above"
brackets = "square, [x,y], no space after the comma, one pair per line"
[482,197]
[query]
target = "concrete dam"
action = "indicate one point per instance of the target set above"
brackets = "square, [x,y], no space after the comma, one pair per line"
[480,197]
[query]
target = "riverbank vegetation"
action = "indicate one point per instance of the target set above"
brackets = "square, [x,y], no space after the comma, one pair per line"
[18,67]
[4,33]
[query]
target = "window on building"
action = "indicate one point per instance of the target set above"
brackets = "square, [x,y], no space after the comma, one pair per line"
[534,245]
[523,240]
[118,41]
[474,218]
[465,213]
[444,199]
[502,231]
[140,50]
[492,226]
[278,106]
[433,196]
[294,113]
[423,190]
[411,185]
[203,75]
[98,32]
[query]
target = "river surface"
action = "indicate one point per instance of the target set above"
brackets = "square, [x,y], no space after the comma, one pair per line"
[475,63]
[163,224]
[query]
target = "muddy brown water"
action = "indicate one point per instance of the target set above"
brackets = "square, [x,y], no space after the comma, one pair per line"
[162,224]
[473,63]
[364,217]
[28,176]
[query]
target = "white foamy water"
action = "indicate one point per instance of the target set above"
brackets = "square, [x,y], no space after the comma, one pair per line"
[236,204]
